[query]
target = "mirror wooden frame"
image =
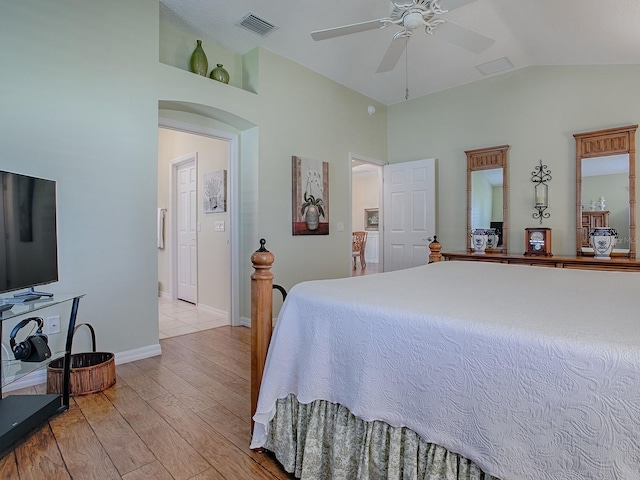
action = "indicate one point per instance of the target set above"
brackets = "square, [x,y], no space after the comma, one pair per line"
[599,143]
[485,159]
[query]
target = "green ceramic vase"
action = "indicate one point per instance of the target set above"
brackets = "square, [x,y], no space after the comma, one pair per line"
[220,74]
[199,63]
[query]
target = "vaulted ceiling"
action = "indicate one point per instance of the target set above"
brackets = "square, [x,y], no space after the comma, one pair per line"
[526,33]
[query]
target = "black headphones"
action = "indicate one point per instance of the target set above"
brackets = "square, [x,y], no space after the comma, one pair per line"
[24,349]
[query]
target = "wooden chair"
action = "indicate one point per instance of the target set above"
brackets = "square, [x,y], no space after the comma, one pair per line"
[357,248]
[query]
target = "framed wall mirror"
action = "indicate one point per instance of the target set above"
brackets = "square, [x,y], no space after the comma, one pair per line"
[487,194]
[605,187]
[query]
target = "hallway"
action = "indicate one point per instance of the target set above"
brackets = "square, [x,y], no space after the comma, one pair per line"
[177,317]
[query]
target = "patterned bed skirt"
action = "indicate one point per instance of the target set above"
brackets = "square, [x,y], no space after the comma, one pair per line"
[323,440]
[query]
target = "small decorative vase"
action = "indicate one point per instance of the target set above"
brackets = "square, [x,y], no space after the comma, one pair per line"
[479,237]
[601,203]
[199,62]
[492,237]
[220,74]
[602,240]
[312,217]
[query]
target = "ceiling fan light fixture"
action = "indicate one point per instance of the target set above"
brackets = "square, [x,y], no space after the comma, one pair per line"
[413,20]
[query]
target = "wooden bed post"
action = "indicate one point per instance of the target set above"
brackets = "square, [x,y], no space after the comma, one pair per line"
[261,315]
[434,248]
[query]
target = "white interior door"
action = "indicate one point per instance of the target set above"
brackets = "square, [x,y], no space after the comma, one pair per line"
[187,254]
[409,213]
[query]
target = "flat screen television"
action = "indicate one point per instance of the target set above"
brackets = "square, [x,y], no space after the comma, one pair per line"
[28,232]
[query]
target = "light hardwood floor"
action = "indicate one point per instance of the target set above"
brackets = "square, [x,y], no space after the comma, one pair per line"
[370,269]
[182,415]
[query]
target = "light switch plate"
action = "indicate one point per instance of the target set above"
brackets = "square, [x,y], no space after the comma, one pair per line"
[219,226]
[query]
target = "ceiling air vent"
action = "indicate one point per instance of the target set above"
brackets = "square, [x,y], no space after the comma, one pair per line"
[257,25]
[495,66]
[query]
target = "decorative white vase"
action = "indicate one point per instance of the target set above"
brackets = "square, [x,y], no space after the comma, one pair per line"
[602,240]
[479,239]
[312,217]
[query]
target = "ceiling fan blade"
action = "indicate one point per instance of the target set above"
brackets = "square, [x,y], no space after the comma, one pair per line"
[463,37]
[394,52]
[349,29]
[449,5]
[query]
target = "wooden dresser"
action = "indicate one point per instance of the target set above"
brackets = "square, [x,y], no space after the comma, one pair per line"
[592,219]
[584,263]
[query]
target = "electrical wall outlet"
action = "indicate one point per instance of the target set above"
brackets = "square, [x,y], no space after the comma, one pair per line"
[219,226]
[52,325]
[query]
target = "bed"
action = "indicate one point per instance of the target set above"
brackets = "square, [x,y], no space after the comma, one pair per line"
[422,373]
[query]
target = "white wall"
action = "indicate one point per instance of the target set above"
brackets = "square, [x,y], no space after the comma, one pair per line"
[536,111]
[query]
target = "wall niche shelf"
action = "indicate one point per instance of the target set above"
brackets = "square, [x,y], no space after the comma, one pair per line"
[20,414]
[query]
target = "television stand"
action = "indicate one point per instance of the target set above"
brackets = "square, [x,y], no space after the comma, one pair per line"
[28,296]
[21,414]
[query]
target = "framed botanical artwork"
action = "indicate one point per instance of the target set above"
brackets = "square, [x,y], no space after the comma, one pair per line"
[215,191]
[371,219]
[310,202]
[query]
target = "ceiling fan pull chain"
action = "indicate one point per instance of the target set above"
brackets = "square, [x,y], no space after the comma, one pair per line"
[406,69]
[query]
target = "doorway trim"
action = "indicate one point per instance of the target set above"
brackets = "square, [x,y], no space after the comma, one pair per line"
[380,164]
[232,204]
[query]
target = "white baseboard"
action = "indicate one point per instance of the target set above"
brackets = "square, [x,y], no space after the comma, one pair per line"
[213,311]
[138,354]
[246,322]
[34,378]
[40,376]
[165,295]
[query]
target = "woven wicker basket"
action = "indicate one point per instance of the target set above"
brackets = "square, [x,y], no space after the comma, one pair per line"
[91,372]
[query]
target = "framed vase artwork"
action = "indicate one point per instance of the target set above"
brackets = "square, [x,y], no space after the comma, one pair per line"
[310,202]
[371,219]
[215,191]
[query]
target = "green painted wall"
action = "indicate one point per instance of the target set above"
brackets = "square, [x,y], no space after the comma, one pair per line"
[79,105]
[534,110]
[82,83]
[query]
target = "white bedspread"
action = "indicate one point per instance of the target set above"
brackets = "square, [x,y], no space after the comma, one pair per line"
[530,372]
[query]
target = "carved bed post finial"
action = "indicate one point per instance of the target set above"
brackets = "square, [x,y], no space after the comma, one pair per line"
[434,248]
[261,314]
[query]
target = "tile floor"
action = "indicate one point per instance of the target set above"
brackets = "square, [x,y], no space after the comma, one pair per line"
[177,317]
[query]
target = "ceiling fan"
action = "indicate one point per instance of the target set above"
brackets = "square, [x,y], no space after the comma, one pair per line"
[410,16]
